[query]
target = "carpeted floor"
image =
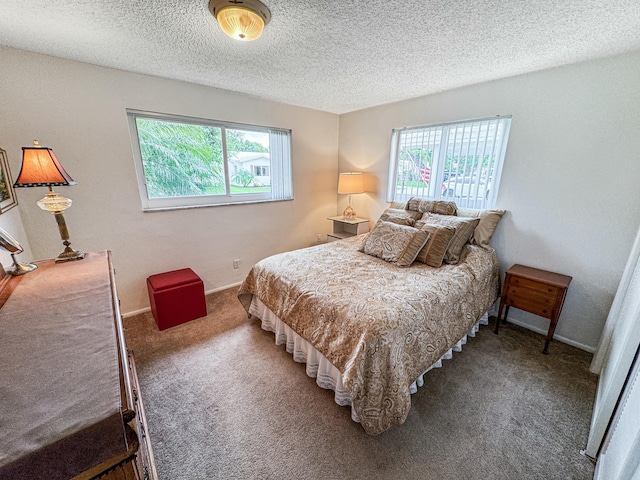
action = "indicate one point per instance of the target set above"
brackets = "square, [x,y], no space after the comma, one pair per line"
[224,402]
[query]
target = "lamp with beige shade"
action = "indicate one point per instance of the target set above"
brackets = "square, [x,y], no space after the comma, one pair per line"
[348,184]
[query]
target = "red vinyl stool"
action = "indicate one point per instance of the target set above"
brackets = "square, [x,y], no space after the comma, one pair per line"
[176,297]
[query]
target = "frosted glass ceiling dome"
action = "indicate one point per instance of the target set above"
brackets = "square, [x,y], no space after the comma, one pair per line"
[240,19]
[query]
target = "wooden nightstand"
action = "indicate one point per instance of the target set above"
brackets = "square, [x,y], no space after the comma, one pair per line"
[535,291]
[347,228]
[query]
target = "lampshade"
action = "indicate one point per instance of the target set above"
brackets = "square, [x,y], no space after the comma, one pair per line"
[350,183]
[41,168]
[240,19]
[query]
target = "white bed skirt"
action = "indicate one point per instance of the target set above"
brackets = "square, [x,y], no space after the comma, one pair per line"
[326,374]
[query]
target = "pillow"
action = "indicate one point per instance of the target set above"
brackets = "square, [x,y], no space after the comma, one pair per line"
[394,218]
[401,217]
[398,205]
[464,231]
[488,222]
[432,206]
[395,243]
[434,250]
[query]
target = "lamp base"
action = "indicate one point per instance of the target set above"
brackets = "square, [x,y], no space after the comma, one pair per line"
[20,268]
[349,213]
[69,254]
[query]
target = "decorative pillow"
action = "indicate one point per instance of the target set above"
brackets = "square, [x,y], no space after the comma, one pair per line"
[400,220]
[398,205]
[464,231]
[432,206]
[434,250]
[395,243]
[401,217]
[488,222]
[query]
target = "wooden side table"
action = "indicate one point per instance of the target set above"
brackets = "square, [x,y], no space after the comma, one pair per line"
[535,291]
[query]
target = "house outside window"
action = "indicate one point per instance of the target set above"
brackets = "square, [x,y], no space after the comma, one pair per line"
[459,161]
[189,162]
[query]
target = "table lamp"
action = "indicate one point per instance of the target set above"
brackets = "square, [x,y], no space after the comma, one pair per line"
[41,168]
[349,184]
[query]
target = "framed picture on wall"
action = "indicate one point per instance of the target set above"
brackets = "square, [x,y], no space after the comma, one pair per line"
[7,195]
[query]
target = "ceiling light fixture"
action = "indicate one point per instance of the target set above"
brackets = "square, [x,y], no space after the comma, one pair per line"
[240,19]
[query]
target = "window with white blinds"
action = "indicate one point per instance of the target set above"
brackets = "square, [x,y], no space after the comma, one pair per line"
[459,161]
[188,162]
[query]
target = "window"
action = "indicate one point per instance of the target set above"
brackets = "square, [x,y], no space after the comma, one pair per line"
[188,162]
[456,161]
[259,171]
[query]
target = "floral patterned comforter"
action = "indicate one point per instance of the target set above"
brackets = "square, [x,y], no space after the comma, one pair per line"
[381,325]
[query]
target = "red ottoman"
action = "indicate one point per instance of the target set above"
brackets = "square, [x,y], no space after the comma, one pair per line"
[176,297]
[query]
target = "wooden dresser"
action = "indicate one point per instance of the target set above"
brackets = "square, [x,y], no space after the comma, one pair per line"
[70,402]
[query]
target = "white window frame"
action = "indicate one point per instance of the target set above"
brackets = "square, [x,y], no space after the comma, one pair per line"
[438,187]
[283,192]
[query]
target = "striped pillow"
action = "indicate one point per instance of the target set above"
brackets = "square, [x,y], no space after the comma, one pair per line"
[432,206]
[464,231]
[401,217]
[433,252]
[413,248]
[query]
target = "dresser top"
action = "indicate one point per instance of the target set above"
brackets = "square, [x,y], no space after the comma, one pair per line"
[59,362]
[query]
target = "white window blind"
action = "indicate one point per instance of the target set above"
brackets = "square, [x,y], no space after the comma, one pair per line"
[459,161]
[187,162]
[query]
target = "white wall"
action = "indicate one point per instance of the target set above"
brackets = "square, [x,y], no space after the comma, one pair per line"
[570,180]
[79,110]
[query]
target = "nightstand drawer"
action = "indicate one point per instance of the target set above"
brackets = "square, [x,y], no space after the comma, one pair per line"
[531,301]
[549,294]
[534,285]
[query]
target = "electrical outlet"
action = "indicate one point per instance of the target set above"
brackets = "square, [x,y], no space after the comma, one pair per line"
[236,263]
[319,238]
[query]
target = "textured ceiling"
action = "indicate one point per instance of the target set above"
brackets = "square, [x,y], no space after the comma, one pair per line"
[336,56]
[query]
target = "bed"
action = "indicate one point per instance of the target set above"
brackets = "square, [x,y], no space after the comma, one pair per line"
[367,327]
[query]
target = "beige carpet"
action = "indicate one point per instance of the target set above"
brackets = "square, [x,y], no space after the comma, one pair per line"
[224,402]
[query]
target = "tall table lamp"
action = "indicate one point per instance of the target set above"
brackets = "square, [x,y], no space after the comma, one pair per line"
[349,184]
[41,168]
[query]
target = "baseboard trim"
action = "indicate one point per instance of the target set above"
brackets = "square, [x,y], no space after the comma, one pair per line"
[541,331]
[133,313]
[560,338]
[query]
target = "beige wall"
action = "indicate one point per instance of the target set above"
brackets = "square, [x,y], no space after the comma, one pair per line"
[79,111]
[570,180]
